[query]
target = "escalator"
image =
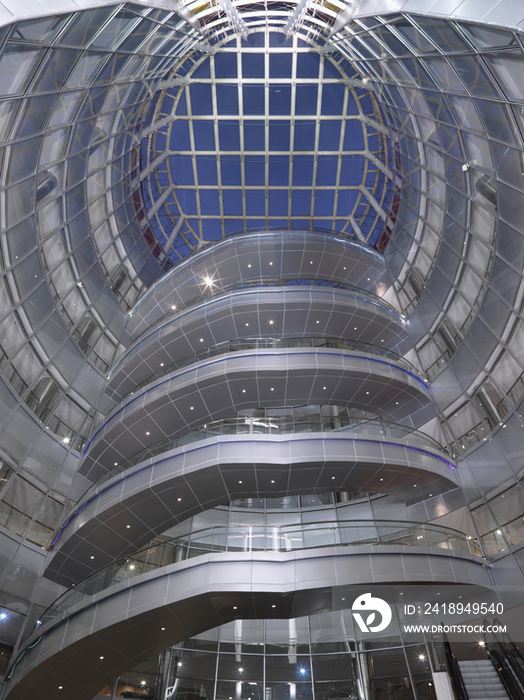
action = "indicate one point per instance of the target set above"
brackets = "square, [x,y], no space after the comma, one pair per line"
[508,660]
[481,680]
[498,677]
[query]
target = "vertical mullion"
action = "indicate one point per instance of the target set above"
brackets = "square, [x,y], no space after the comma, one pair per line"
[193,162]
[266,126]
[317,137]
[339,159]
[217,144]
[292,129]
[241,125]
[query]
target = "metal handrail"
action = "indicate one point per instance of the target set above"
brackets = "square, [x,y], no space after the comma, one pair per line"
[453,669]
[274,426]
[257,232]
[251,538]
[508,660]
[211,293]
[239,344]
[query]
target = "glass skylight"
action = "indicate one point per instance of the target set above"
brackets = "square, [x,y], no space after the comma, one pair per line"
[266,132]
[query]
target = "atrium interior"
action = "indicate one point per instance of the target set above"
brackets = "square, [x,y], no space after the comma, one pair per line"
[261,350]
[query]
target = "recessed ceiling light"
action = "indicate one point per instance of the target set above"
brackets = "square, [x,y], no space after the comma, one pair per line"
[272,388]
[101,658]
[179,499]
[162,629]
[92,557]
[273,606]
[128,526]
[116,464]
[191,408]
[272,481]
[148,433]
[201,340]
[243,391]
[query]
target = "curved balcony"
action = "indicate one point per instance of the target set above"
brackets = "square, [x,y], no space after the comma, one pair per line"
[249,538]
[133,507]
[224,385]
[310,310]
[250,343]
[279,426]
[90,642]
[291,255]
[212,293]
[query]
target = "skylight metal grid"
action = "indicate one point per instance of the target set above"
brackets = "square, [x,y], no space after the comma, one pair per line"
[266,132]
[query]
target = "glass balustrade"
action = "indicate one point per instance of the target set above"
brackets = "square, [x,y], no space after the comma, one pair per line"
[341,423]
[212,292]
[242,344]
[263,538]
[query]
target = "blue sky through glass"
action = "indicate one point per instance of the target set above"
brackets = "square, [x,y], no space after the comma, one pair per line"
[265,135]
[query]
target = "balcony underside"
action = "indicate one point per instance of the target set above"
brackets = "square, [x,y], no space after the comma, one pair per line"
[129,622]
[171,487]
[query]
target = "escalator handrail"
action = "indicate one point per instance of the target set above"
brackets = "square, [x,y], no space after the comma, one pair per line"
[504,671]
[506,640]
[508,656]
[453,669]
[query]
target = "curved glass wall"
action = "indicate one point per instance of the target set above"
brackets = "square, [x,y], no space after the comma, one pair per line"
[74,88]
[451,95]
[307,658]
[315,658]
